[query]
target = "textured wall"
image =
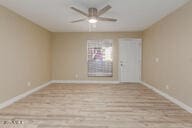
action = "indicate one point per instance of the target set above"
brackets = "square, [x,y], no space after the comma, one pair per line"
[170,40]
[24,55]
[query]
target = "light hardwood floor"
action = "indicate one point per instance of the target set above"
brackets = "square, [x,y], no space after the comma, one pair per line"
[96,106]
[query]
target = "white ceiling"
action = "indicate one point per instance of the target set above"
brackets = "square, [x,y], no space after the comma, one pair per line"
[55,15]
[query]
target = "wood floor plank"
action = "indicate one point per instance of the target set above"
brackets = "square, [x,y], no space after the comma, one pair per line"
[96,106]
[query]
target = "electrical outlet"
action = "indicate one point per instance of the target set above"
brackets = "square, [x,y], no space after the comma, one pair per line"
[167,87]
[76,76]
[28,84]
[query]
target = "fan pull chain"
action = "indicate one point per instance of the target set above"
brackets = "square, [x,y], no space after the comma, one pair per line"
[90,29]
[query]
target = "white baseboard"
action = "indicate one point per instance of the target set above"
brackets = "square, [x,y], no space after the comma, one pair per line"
[172,99]
[12,100]
[84,82]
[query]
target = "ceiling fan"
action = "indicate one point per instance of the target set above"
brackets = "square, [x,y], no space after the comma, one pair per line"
[93,15]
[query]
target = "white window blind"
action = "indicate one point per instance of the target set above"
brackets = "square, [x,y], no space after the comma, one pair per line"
[99,56]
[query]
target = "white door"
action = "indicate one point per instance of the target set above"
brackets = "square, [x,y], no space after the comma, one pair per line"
[130,60]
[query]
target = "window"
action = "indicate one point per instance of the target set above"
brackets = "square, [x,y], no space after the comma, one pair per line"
[99,57]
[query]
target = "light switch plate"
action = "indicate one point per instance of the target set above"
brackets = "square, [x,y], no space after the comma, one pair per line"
[156,59]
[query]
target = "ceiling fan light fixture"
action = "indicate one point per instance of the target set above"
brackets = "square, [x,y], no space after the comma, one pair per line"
[92,20]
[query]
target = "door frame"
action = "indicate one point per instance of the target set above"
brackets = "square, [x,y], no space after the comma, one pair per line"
[119,66]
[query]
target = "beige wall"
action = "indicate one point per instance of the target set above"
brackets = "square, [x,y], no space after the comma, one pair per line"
[70,50]
[171,41]
[24,55]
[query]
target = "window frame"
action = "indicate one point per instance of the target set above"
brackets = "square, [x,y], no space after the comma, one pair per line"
[96,74]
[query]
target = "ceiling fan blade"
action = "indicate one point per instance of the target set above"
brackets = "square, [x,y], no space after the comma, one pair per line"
[80,20]
[79,11]
[106,19]
[105,9]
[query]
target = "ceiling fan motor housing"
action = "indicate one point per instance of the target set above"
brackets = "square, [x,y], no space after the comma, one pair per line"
[92,12]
